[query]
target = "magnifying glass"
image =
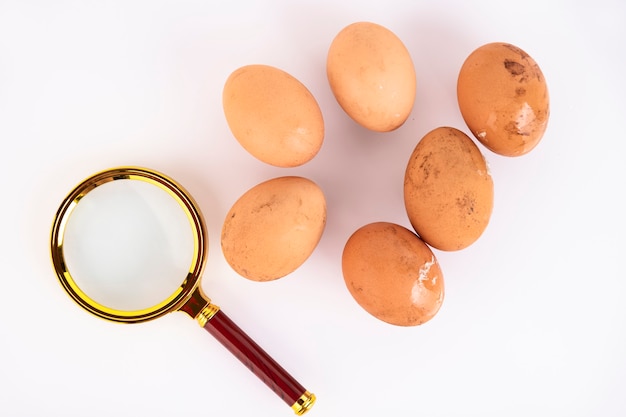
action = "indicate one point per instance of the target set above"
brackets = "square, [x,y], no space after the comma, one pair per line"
[136,241]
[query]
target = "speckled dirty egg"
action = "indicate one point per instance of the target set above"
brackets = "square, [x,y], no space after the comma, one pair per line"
[372,76]
[392,274]
[274,227]
[503,97]
[448,190]
[273,115]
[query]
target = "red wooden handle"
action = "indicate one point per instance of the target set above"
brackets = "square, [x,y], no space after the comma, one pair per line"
[257,360]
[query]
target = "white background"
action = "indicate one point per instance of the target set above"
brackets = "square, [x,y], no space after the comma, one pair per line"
[534,320]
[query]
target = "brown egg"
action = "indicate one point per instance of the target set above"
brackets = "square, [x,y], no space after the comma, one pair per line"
[273,115]
[448,190]
[392,274]
[372,76]
[274,227]
[503,98]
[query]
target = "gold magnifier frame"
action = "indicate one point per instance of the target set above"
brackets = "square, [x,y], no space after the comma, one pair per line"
[188,297]
[181,295]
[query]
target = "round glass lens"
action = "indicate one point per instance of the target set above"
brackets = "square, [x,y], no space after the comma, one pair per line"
[128,244]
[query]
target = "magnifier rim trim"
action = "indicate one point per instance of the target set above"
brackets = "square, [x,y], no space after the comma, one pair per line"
[187,287]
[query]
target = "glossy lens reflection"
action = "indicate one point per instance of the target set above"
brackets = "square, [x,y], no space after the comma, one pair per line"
[128,245]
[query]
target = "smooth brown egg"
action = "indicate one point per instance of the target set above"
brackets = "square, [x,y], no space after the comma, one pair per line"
[503,98]
[372,76]
[392,274]
[273,115]
[448,190]
[274,227]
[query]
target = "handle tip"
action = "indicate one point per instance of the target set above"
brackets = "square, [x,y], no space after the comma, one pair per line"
[304,403]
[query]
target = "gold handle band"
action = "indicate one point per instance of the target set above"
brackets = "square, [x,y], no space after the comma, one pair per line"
[206,314]
[304,403]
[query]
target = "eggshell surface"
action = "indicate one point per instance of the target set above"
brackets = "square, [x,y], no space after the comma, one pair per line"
[371,75]
[448,190]
[503,97]
[392,274]
[273,115]
[274,227]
